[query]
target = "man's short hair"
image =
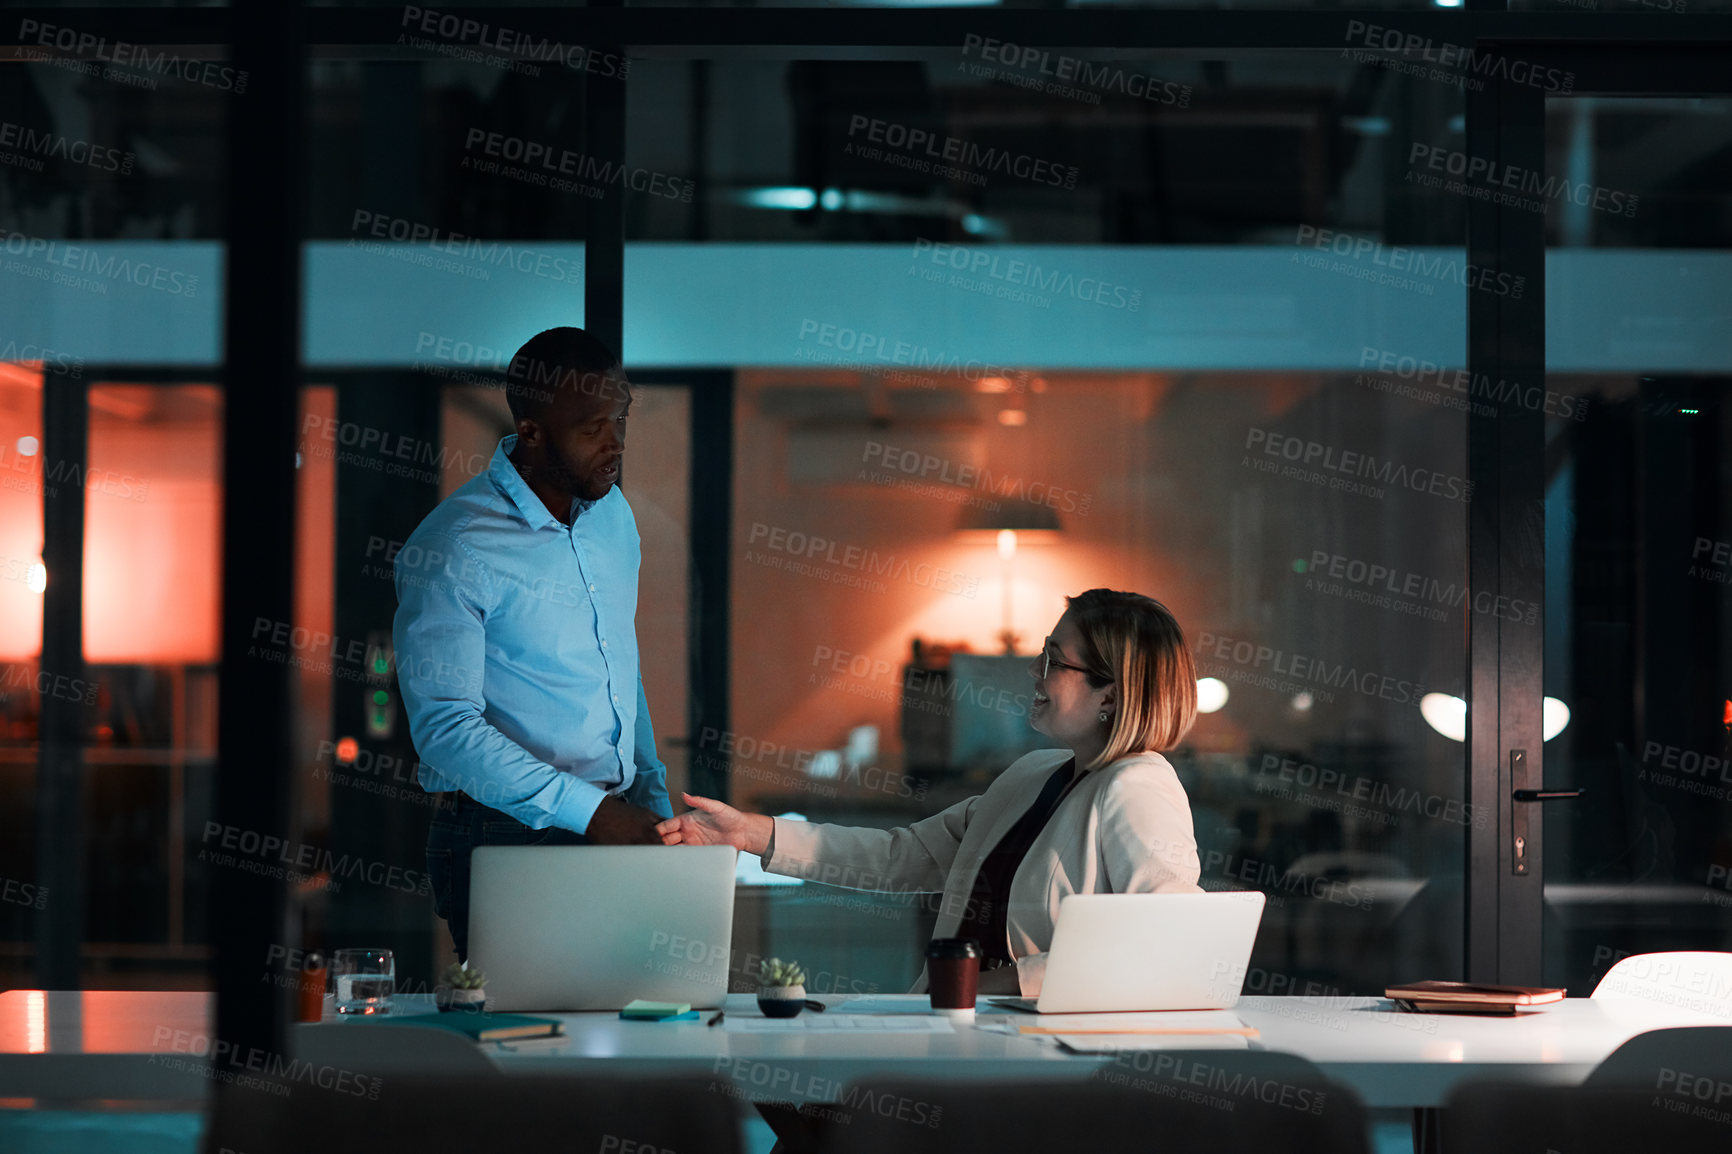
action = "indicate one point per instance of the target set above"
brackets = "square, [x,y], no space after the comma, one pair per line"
[562,358]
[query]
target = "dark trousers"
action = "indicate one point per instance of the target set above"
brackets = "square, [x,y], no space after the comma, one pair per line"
[458,827]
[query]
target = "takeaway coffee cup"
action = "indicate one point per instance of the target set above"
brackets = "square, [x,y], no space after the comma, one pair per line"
[953,975]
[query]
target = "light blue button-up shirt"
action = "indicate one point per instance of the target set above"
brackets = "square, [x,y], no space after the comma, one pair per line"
[516,649]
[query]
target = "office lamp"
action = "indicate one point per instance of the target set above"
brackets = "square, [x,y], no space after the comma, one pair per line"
[1008,523]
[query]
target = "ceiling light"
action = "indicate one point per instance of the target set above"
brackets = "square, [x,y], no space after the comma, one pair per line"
[1447,714]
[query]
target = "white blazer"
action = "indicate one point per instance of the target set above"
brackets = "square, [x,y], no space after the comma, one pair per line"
[1125,828]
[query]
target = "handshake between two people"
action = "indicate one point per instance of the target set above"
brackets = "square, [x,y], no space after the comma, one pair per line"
[709,822]
[712,822]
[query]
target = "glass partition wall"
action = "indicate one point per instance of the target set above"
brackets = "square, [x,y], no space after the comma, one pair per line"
[111,226]
[928,338]
[1016,340]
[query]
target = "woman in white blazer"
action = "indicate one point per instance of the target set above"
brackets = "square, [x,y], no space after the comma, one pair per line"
[1102,813]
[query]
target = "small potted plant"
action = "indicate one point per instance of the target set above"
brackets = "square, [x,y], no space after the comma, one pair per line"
[461,989]
[781,988]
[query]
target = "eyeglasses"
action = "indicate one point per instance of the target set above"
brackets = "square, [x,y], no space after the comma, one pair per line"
[1047,661]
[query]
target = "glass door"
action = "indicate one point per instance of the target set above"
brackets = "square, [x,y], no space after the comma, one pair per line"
[1638,543]
[1607,510]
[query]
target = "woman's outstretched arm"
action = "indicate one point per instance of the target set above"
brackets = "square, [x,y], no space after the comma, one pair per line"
[912,859]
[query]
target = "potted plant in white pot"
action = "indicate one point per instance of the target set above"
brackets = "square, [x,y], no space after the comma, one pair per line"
[461,989]
[781,988]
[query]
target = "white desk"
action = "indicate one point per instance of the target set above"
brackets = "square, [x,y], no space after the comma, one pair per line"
[1389,1059]
[123,1044]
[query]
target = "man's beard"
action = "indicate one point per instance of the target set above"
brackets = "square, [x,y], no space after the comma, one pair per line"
[561,472]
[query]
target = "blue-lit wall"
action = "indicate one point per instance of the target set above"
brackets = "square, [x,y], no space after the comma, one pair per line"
[1237,308]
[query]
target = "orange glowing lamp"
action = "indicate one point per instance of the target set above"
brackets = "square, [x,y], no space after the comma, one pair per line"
[1008,523]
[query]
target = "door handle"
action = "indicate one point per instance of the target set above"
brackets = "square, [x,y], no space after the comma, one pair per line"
[1519,799]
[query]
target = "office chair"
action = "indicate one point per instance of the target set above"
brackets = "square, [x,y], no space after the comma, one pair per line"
[1687,1052]
[1689,980]
[1174,1101]
[331,1111]
[1504,1118]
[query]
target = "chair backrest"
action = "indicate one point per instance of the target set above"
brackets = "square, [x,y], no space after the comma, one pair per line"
[307,1114]
[1659,1058]
[1688,980]
[1176,1101]
[1506,1118]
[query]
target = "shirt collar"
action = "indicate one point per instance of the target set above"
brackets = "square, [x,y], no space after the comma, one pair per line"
[533,509]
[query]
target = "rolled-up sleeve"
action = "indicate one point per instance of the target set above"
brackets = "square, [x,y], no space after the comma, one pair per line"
[443,598]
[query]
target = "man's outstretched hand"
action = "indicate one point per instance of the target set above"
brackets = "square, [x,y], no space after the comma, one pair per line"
[619,822]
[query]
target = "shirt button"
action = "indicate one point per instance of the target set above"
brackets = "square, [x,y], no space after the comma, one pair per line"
[616,697]
[604,645]
[592,588]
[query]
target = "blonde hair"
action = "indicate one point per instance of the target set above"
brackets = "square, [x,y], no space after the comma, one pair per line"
[1135,641]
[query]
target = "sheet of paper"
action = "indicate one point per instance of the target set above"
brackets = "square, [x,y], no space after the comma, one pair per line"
[1154,1022]
[836,1023]
[887,1004]
[1115,1043]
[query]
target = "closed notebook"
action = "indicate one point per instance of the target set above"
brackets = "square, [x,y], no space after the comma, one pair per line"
[1470,997]
[482,1027]
[1475,992]
[1419,1006]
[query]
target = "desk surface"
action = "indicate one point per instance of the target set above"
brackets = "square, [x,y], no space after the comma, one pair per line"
[136,1044]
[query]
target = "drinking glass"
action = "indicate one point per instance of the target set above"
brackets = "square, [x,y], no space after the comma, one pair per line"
[365,979]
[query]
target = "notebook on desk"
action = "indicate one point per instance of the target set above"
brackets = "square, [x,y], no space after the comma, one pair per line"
[1469,997]
[1147,952]
[482,1027]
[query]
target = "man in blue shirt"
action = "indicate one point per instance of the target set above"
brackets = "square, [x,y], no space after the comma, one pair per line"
[515,633]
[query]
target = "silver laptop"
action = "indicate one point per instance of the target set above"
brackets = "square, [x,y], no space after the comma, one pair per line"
[590,927]
[1127,952]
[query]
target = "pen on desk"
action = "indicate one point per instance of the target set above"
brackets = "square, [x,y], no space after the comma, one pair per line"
[815,1005]
[715,1019]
